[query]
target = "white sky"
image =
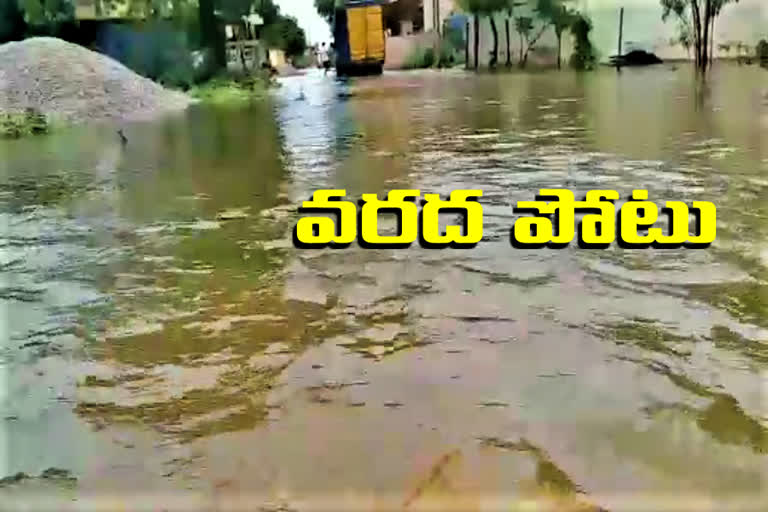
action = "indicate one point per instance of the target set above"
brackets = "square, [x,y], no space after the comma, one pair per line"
[747,20]
[304,11]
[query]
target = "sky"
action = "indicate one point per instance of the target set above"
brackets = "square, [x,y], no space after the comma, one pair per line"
[747,20]
[304,11]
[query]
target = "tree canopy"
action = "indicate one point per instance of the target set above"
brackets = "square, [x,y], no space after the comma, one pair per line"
[697,18]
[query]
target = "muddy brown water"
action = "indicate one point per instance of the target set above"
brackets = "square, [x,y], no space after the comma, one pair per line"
[164,346]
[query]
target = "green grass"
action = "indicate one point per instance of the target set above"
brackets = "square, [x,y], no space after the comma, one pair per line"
[17,125]
[232,90]
[422,57]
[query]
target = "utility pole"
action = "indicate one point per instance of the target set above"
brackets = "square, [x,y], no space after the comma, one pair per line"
[436,25]
[621,37]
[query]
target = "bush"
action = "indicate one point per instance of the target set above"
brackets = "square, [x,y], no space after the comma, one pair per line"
[583,56]
[420,57]
[761,51]
[234,89]
[31,122]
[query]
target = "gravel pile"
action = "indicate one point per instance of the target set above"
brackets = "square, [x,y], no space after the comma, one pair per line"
[68,82]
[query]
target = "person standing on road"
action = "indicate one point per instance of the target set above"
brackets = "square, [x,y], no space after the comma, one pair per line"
[325,59]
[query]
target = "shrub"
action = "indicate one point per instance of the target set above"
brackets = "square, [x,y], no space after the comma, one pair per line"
[761,51]
[420,57]
[15,125]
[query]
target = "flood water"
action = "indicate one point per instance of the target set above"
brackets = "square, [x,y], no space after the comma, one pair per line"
[165,347]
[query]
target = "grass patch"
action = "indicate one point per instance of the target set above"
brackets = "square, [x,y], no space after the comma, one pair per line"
[422,57]
[233,90]
[17,125]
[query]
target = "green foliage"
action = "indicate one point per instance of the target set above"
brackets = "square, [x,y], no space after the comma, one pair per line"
[233,90]
[47,16]
[420,57]
[286,35]
[453,37]
[12,24]
[696,24]
[556,13]
[761,51]
[684,38]
[14,126]
[485,7]
[583,56]
[524,25]
[326,8]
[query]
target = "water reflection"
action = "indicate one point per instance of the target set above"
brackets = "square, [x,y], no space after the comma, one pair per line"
[158,314]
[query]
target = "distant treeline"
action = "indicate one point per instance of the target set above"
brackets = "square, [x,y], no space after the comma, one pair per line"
[179,43]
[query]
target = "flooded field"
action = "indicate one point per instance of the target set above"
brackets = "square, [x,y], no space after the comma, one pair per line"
[165,347]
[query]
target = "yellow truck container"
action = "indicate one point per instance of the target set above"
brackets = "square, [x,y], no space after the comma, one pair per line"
[360,39]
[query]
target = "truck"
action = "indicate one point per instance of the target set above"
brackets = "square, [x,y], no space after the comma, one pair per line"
[359,38]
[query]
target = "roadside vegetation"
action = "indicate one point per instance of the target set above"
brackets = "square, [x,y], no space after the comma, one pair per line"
[180,44]
[234,89]
[761,53]
[423,57]
[696,21]
[530,20]
[17,125]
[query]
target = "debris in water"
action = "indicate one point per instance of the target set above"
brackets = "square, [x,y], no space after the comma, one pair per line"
[232,214]
[494,403]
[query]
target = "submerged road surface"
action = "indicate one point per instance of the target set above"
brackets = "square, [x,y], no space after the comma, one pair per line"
[165,347]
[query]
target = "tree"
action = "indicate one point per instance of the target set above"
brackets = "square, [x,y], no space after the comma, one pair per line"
[509,11]
[528,38]
[557,14]
[47,16]
[523,26]
[583,56]
[286,35]
[326,9]
[476,8]
[11,21]
[479,8]
[761,51]
[684,38]
[211,36]
[700,15]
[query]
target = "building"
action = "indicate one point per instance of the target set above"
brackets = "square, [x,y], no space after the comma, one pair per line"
[413,23]
[436,12]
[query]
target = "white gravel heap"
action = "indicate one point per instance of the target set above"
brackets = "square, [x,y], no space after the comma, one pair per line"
[68,82]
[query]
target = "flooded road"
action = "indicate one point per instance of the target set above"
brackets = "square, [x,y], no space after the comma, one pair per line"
[166,347]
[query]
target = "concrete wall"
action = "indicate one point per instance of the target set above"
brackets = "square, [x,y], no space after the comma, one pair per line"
[398,48]
[746,21]
[444,7]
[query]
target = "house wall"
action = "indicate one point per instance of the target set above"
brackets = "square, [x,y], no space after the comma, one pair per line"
[644,29]
[398,48]
[444,7]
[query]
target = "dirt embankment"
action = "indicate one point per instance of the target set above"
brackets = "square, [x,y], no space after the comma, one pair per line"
[73,84]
